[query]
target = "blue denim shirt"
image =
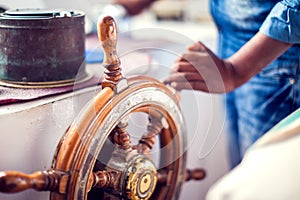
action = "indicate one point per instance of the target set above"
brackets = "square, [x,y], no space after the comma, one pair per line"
[239,20]
[283,22]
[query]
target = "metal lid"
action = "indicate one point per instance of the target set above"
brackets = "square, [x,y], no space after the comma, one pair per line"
[41,18]
[37,14]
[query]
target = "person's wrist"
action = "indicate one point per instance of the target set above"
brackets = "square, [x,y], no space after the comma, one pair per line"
[231,81]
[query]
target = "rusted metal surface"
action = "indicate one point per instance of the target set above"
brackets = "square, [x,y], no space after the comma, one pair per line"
[38,46]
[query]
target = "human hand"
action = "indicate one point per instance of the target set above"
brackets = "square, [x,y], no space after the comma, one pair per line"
[200,69]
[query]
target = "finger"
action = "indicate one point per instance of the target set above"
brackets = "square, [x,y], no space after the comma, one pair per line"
[193,85]
[193,56]
[210,54]
[193,50]
[198,46]
[181,59]
[183,67]
[181,77]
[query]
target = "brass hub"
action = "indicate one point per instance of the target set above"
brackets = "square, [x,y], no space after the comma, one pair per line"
[141,178]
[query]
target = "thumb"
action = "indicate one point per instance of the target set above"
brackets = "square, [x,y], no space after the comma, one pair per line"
[198,46]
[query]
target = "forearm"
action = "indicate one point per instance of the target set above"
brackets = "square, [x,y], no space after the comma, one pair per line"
[256,54]
[134,7]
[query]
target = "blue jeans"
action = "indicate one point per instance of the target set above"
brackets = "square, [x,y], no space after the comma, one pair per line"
[256,107]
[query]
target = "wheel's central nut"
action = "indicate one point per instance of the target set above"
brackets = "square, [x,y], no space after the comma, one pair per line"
[145,183]
[141,178]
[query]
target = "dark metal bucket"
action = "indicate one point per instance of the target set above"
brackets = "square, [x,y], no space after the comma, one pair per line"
[41,47]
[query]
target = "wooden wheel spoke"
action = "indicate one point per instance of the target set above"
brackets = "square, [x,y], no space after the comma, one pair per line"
[105,179]
[51,180]
[164,176]
[195,174]
[121,137]
[146,143]
[148,139]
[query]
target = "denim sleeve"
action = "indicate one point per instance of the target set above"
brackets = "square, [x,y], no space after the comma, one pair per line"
[283,22]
